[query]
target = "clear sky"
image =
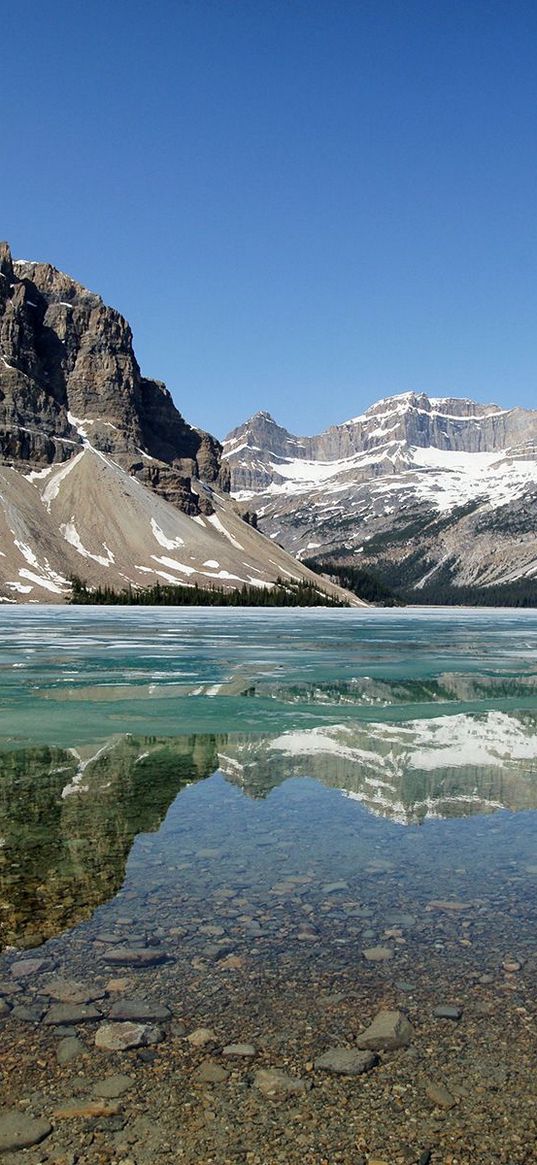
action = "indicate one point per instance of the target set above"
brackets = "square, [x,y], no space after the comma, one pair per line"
[299,205]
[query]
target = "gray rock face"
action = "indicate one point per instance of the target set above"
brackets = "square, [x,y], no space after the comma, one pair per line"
[430,493]
[68,374]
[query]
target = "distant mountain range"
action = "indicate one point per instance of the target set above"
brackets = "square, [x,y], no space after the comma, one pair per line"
[436,497]
[100,475]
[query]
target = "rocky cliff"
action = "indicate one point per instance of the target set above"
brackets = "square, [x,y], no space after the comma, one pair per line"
[433,495]
[68,375]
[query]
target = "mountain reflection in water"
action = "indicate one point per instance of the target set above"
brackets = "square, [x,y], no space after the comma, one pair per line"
[68,817]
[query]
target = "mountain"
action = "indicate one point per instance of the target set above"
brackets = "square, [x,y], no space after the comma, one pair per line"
[438,497]
[100,475]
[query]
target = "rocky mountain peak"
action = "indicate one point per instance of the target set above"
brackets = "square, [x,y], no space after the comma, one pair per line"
[6,262]
[69,377]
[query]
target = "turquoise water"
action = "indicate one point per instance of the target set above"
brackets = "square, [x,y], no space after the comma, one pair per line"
[70,676]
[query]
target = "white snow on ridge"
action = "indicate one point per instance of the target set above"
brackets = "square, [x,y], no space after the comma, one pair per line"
[218,525]
[163,540]
[52,487]
[71,535]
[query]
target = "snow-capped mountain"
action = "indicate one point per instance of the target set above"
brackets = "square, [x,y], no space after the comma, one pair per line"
[100,475]
[427,492]
[444,766]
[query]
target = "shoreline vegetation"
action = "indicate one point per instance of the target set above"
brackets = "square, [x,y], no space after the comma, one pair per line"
[284,593]
[387,593]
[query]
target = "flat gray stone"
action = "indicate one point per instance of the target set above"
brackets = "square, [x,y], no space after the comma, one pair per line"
[67,1013]
[18,1131]
[113,1086]
[128,957]
[244,1050]
[447,1011]
[389,1030]
[209,1072]
[71,990]
[346,1061]
[139,1010]
[69,1048]
[4,1009]
[24,968]
[118,1037]
[9,988]
[335,887]
[27,1014]
[378,954]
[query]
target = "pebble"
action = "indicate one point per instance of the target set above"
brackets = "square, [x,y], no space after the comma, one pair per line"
[389,1030]
[439,1095]
[246,1050]
[117,1037]
[208,1072]
[378,954]
[4,1009]
[447,1011]
[275,1083]
[69,1048]
[512,965]
[18,1131]
[346,1061]
[202,1036]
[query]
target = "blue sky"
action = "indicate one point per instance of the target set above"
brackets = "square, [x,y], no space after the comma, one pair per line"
[299,205]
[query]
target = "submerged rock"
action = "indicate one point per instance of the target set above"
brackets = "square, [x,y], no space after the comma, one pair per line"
[346,1061]
[447,1011]
[139,1010]
[117,1037]
[68,1013]
[389,1030]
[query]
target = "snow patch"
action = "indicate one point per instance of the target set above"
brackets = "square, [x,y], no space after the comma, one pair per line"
[163,540]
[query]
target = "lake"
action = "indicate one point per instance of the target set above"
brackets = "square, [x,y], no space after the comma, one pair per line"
[297,851]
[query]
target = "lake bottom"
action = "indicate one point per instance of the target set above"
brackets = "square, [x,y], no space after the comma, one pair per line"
[254,932]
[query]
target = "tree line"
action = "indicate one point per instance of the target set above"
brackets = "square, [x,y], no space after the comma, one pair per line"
[283,593]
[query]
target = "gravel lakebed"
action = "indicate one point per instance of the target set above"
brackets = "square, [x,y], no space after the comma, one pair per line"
[365,1020]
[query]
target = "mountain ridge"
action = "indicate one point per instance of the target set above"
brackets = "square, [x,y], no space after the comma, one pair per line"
[424,490]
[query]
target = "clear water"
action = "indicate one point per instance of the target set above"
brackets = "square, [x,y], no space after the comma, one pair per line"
[113,723]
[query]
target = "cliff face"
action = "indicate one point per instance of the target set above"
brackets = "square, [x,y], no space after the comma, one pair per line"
[69,376]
